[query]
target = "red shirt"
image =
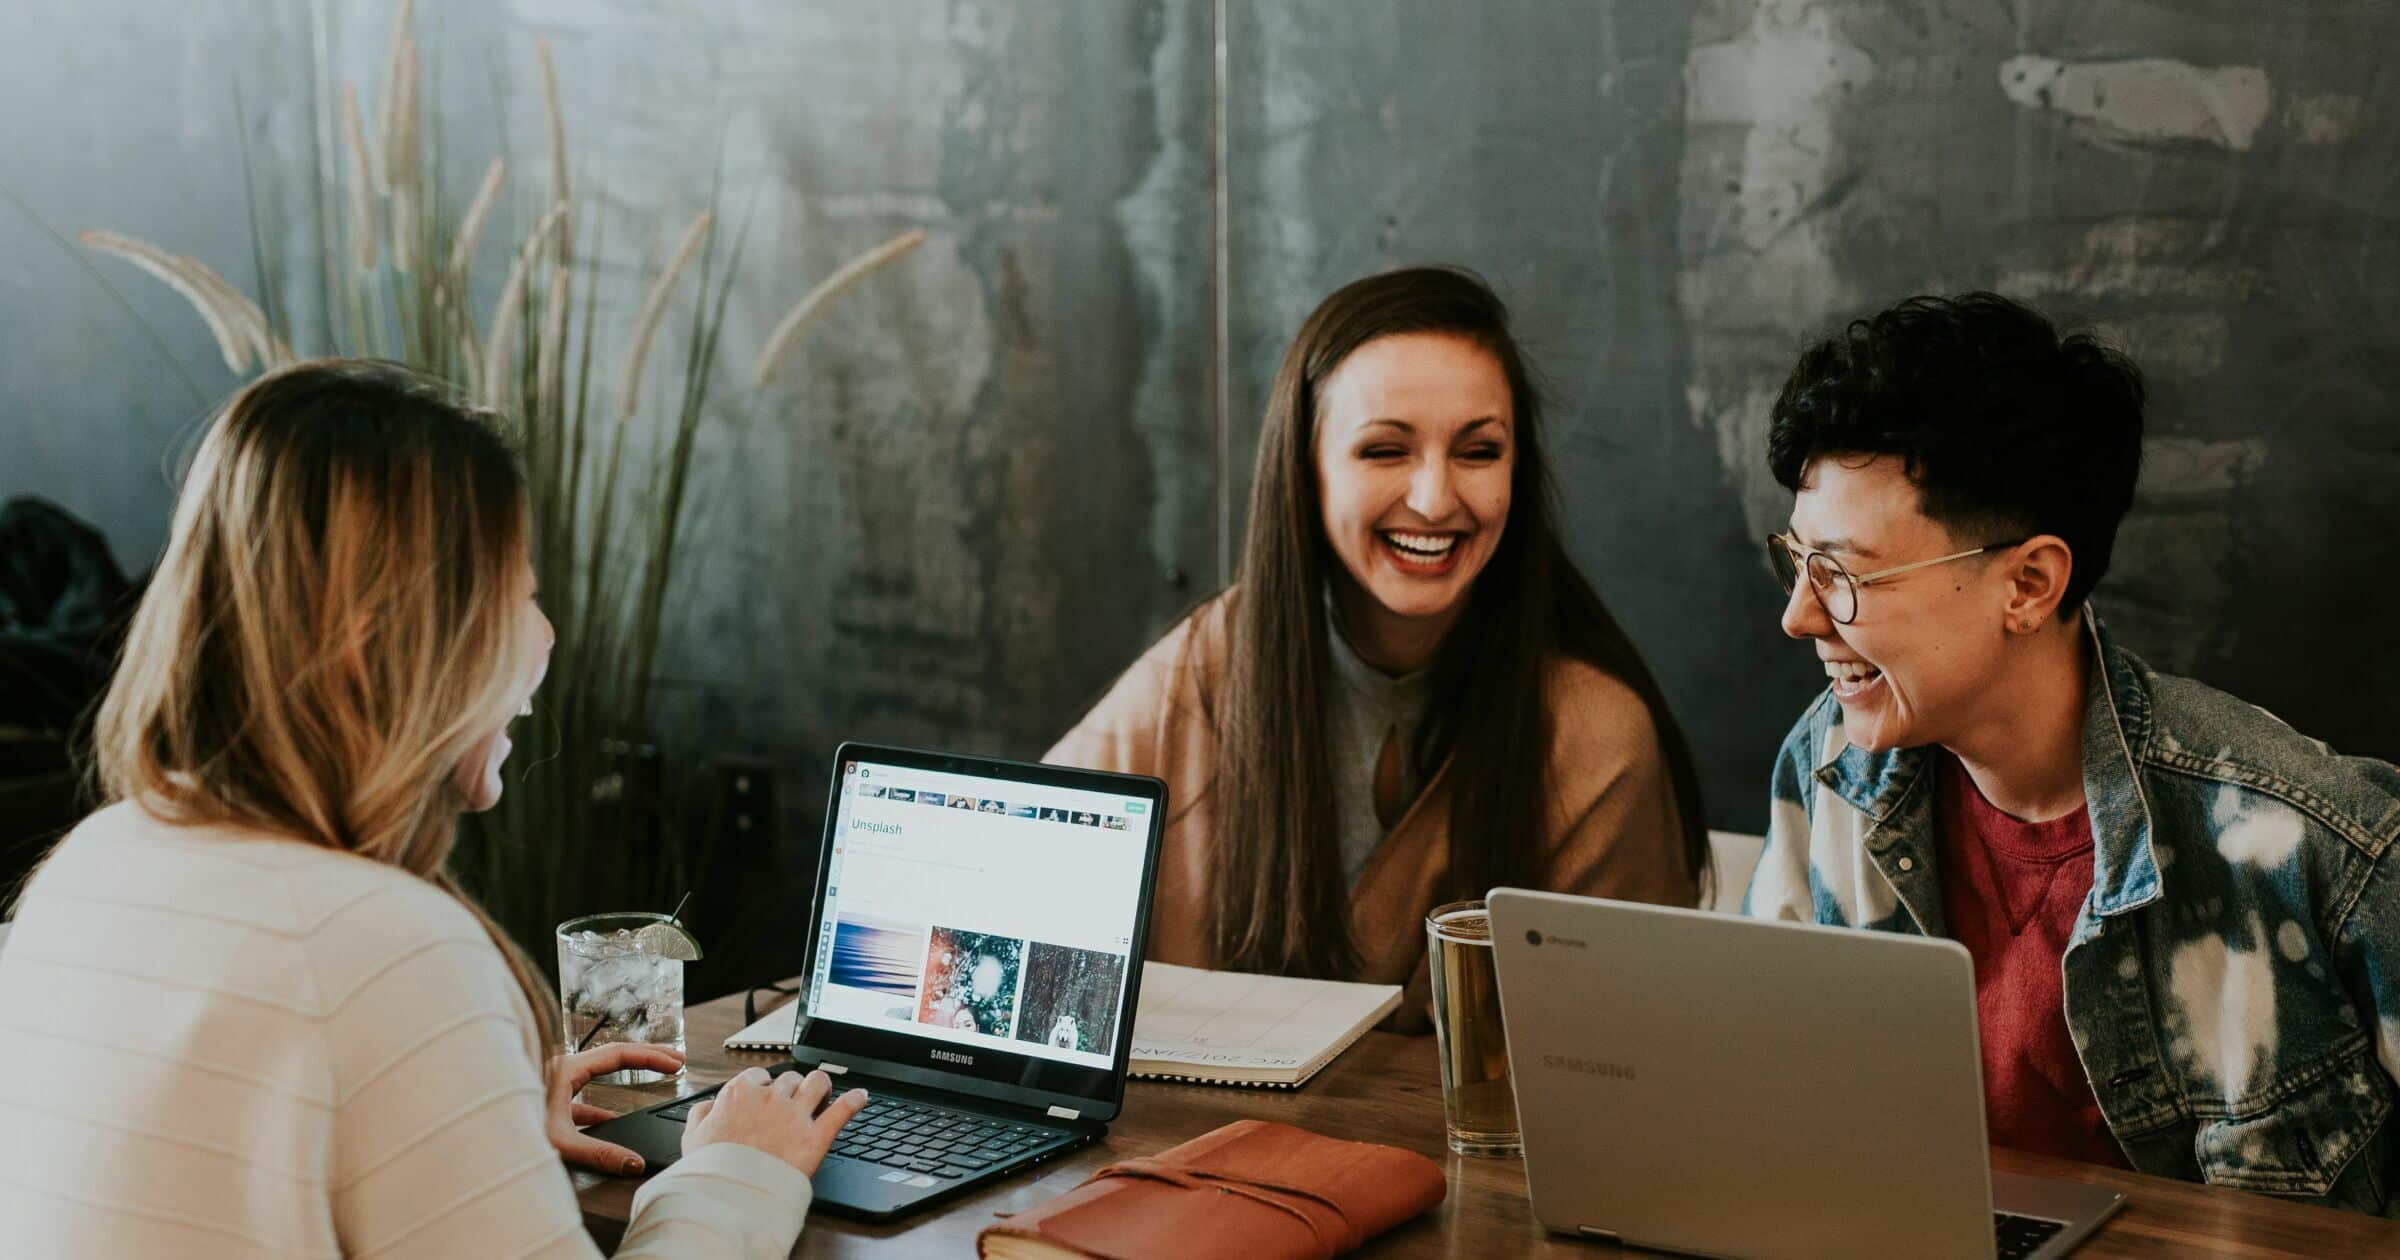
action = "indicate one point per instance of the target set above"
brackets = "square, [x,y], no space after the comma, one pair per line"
[2011,890]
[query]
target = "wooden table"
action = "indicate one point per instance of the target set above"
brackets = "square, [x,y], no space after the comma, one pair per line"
[1385,1089]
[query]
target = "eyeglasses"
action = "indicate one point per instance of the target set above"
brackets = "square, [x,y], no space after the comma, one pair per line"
[1837,587]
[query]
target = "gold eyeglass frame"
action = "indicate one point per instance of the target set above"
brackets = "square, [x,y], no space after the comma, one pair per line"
[1803,559]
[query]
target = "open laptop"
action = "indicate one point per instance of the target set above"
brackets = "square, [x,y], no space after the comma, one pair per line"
[974,966]
[1700,1083]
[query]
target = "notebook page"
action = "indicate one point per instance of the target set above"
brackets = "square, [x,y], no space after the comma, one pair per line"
[1226,1019]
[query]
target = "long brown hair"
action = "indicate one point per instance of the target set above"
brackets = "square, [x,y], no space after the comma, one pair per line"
[1281,901]
[332,629]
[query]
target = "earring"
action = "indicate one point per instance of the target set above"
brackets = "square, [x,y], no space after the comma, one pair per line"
[2024,625]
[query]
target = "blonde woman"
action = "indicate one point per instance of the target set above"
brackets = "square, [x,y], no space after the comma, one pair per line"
[245,1008]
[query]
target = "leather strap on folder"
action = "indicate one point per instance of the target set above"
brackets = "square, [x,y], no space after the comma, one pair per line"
[1322,1216]
[1248,1191]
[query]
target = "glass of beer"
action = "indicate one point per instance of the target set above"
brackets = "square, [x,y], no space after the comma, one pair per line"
[1479,1103]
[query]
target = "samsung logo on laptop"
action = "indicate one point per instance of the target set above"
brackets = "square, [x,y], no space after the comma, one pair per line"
[952,1056]
[1589,1067]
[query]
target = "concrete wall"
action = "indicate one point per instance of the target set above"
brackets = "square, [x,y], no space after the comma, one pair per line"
[998,473]
[120,113]
[1539,144]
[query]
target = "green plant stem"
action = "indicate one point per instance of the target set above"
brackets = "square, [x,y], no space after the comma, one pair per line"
[262,265]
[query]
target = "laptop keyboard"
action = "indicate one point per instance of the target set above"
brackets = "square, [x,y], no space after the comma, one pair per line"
[2021,1236]
[917,1137]
[936,1141]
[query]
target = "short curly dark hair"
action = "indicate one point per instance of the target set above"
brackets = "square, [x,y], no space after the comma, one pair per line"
[2006,429]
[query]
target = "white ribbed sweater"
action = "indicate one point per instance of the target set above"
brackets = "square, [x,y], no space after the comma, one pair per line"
[219,1043]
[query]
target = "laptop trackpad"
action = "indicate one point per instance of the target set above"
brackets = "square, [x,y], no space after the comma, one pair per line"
[842,1182]
[658,1142]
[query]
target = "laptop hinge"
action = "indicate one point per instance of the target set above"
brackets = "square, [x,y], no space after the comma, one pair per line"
[1065,1113]
[1604,1235]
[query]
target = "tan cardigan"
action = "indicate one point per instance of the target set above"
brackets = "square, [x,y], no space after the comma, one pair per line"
[1615,830]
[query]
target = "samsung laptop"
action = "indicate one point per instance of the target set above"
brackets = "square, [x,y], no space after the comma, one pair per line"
[974,965]
[1700,1083]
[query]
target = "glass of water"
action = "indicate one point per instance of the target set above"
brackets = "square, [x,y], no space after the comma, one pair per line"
[618,982]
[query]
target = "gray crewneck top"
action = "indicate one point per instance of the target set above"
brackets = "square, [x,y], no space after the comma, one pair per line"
[1363,708]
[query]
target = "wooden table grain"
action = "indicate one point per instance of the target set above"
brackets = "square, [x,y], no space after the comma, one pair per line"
[1385,1089]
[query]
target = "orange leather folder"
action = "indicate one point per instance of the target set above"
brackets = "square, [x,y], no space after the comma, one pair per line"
[1248,1191]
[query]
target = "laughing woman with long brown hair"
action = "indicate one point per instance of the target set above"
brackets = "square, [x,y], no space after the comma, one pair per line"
[1409,695]
[245,1008]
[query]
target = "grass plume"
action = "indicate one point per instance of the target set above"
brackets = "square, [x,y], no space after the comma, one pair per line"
[793,326]
[653,312]
[470,228]
[500,343]
[168,269]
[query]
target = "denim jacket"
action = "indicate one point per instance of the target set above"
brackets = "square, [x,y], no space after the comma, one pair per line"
[2233,979]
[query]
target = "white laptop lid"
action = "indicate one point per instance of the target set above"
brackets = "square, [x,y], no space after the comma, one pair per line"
[1731,1087]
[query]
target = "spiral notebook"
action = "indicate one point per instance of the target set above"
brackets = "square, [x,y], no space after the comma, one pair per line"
[1234,1028]
[1211,1027]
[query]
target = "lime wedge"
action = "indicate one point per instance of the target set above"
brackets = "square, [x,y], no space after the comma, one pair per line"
[667,940]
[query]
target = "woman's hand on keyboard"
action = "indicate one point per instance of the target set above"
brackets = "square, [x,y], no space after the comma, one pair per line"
[778,1116]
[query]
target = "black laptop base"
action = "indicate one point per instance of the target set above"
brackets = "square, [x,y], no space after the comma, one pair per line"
[909,1150]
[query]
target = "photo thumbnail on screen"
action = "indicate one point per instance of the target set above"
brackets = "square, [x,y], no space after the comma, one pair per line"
[878,956]
[1071,998]
[970,981]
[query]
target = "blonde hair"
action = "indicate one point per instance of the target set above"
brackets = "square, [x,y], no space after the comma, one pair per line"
[333,628]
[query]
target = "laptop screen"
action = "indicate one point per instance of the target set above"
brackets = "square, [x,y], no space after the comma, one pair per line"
[992,916]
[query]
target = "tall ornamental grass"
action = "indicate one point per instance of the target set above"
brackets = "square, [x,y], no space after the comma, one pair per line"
[609,460]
